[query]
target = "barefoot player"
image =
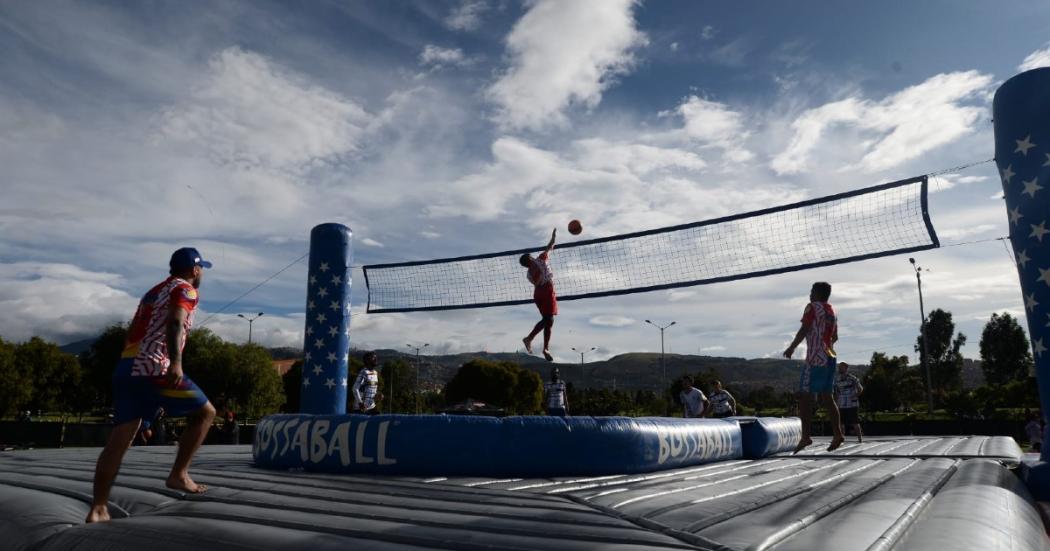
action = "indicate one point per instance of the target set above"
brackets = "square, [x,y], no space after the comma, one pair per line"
[541,277]
[820,330]
[149,377]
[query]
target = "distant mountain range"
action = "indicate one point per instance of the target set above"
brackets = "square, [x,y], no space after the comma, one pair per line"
[632,371]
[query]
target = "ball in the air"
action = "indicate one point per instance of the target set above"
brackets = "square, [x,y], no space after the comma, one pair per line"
[575,227]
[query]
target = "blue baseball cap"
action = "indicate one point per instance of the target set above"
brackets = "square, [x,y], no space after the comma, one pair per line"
[187,257]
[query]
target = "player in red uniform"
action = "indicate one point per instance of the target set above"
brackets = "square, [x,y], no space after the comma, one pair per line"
[149,377]
[820,329]
[546,300]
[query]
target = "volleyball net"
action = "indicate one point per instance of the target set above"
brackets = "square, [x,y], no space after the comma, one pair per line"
[878,221]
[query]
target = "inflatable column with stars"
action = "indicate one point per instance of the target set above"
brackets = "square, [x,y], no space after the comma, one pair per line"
[1021,112]
[327,341]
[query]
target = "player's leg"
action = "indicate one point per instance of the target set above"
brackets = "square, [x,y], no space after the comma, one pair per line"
[108,466]
[549,323]
[832,408]
[805,406]
[535,331]
[186,399]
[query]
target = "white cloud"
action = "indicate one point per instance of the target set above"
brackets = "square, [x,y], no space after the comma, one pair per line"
[564,54]
[369,242]
[1036,59]
[713,123]
[708,32]
[887,133]
[962,233]
[716,348]
[60,302]
[252,112]
[430,234]
[612,320]
[436,56]
[467,15]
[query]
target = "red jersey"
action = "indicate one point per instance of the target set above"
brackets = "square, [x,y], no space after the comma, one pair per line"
[146,348]
[540,271]
[823,331]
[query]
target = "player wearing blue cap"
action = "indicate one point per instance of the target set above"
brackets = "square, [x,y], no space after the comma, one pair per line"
[149,377]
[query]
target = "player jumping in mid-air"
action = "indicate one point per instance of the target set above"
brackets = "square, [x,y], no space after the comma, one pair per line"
[820,330]
[541,277]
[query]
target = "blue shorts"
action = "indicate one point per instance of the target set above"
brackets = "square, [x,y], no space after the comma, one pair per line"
[141,397]
[818,378]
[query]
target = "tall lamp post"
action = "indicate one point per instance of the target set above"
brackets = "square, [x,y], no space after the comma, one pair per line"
[417,349]
[924,359]
[582,352]
[663,364]
[250,321]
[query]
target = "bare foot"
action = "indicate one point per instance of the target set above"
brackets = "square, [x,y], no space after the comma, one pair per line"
[185,484]
[860,439]
[835,443]
[98,513]
[528,345]
[547,355]
[802,444]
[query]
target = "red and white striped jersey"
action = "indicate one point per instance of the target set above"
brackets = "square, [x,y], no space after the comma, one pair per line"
[146,348]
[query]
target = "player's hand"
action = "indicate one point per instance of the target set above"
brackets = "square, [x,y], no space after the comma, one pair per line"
[554,232]
[790,350]
[175,373]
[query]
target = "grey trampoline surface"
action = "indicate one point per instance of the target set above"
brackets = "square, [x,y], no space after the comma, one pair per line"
[888,493]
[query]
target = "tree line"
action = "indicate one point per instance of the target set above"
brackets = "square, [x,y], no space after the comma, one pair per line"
[37,375]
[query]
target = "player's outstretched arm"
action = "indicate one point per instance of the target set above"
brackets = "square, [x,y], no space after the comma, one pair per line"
[550,245]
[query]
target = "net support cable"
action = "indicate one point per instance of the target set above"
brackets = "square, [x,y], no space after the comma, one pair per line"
[873,222]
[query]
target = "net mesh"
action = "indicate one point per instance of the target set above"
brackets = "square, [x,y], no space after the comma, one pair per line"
[868,223]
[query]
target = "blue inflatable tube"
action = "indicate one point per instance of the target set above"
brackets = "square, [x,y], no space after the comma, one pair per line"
[490,446]
[765,436]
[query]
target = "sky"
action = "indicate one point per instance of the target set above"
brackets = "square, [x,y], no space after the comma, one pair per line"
[447,128]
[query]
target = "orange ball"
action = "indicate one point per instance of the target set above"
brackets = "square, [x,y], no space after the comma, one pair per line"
[575,227]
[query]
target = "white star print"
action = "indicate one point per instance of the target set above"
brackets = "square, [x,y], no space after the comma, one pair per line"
[1048,322]
[331,356]
[1031,186]
[1022,259]
[319,343]
[310,305]
[307,356]
[1029,302]
[1024,145]
[337,280]
[306,381]
[342,382]
[309,330]
[1044,276]
[334,305]
[1008,173]
[347,331]
[321,318]
[1039,231]
[318,369]
[313,280]
[329,383]
[323,267]
[333,331]
[1047,163]
[322,292]
[348,308]
[1037,347]
[1015,215]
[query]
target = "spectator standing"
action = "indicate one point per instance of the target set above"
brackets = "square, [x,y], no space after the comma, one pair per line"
[555,396]
[694,403]
[722,402]
[366,385]
[847,397]
[1034,430]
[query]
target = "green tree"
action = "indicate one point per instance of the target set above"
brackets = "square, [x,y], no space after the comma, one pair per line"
[889,383]
[54,374]
[397,383]
[239,377]
[293,387]
[502,384]
[945,359]
[1005,355]
[16,387]
[98,362]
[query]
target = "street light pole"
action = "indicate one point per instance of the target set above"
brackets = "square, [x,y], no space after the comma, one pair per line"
[251,320]
[663,364]
[582,352]
[924,359]
[417,348]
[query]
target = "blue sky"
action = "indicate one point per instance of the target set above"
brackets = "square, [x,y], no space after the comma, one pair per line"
[448,128]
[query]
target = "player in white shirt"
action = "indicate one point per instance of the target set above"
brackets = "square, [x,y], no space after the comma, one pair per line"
[722,402]
[694,403]
[555,395]
[366,385]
